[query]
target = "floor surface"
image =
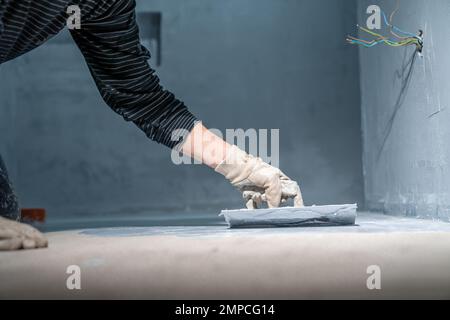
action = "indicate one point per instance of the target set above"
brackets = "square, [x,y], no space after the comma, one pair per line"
[209,262]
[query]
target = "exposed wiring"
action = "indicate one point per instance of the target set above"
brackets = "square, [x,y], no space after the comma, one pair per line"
[382,39]
[406,39]
[385,41]
[392,27]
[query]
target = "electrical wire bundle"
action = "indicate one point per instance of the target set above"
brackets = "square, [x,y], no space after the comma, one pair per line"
[404,38]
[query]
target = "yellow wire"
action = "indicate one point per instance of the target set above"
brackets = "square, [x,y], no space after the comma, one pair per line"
[406,42]
[372,33]
[362,40]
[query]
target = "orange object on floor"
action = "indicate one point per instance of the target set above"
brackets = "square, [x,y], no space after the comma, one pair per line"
[33,215]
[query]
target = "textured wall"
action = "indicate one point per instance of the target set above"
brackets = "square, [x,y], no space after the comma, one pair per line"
[237,64]
[405,112]
[9,95]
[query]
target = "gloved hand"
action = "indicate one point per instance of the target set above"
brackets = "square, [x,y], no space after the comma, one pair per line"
[258,181]
[15,235]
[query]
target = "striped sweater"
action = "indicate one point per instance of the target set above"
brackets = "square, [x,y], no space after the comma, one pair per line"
[109,42]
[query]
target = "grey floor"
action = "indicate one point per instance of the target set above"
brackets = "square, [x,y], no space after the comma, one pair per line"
[168,258]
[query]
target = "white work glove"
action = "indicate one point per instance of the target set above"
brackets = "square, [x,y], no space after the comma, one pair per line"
[15,235]
[258,181]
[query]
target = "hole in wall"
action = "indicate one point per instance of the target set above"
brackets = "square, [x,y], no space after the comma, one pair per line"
[150,33]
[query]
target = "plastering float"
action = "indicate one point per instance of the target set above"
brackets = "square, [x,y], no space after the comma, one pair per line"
[332,215]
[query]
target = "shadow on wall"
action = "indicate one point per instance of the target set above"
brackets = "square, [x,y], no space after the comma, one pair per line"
[404,75]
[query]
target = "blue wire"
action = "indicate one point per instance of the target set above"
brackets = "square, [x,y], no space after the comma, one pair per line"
[366,44]
[397,29]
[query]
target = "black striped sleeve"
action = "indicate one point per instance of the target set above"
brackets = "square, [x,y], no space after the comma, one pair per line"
[119,64]
[109,41]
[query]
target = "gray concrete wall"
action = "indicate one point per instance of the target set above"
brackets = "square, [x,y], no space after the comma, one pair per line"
[10,79]
[405,112]
[237,64]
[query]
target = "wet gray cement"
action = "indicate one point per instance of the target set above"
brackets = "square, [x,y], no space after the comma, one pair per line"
[212,261]
[365,223]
